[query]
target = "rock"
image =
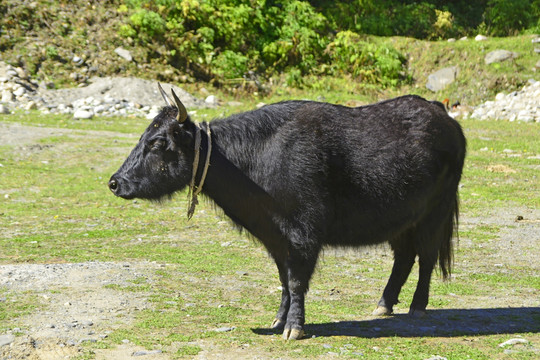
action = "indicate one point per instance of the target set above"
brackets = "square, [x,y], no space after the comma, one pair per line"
[4,109]
[145,353]
[537,65]
[7,96]
[225,329]
[19,92]
[6,339]
[442,78]
[31,105]
[83,114]
[437,357]
[499,56]
[77,60]
[123,53]
[463,38]
[513,342]
[211,100]
[480,38]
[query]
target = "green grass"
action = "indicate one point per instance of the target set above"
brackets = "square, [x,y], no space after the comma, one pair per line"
[55,207]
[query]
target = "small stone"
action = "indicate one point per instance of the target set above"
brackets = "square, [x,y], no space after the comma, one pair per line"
[499,56]
[19,92]
[123,53]
[480,38]
[31,105]
[144,352]
[437,357]
[78,60]
[6,339]
[225,329]
[7,96]
[211,100]
[513,342]
[4,109]
[83,114]
[442,78]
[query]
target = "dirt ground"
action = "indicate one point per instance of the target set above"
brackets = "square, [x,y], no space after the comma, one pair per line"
[83,306]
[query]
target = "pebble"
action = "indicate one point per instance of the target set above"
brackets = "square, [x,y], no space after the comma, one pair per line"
[145,353]
[513,342]
[83,114]
[123,53]
[225,329]
[6,339]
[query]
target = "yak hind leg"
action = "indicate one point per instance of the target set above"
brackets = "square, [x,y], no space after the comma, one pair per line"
[421,295]
[404,256]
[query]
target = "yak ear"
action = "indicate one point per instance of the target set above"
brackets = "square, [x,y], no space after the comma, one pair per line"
[182,112]
[165,97]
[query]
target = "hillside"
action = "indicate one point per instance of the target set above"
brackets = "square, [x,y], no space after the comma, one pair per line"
[65,44]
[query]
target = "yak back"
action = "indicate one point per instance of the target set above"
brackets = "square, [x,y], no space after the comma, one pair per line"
[348,175]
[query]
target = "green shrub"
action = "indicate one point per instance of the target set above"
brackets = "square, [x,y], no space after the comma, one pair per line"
[148,22]
[365,61]
[230,65]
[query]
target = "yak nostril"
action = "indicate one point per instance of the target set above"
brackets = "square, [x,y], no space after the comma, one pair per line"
[113,185]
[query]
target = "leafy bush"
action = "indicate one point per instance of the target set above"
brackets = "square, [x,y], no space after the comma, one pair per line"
[219,40]
[368,62]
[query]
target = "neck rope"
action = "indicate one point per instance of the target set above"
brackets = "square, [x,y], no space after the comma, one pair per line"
[196,190]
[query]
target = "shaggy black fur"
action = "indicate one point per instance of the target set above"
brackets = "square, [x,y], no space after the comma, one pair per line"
[302,175]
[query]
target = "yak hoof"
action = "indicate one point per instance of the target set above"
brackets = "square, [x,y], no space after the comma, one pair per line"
[277,324]
[382,310]
[416,313]
[293,334]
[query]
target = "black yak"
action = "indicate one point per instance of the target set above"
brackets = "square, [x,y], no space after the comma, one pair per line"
[304,175]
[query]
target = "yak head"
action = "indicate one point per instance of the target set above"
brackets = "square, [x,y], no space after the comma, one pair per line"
[161,163]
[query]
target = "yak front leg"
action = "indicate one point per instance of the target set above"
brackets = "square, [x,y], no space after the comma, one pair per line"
[300,266]
[281,316]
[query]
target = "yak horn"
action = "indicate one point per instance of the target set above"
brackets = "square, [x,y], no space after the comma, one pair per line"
[165,97]
[182,112]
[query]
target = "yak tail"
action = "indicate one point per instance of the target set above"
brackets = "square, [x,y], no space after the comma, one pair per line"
[446,250]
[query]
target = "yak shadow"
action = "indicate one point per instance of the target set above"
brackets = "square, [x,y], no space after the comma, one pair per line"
[437,323]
